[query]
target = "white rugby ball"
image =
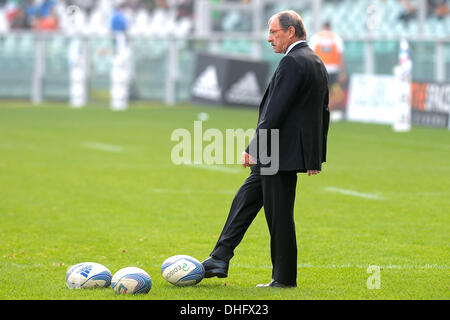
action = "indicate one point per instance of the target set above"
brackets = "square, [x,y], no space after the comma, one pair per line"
[182,270]
[131,280]
[88,275]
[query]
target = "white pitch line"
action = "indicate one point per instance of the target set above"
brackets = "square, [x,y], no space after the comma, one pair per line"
[355,193]
[103,147]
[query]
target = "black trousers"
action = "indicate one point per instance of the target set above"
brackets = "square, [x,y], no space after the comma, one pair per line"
[277,194]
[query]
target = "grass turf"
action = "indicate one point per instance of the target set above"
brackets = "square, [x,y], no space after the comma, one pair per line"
[382,199]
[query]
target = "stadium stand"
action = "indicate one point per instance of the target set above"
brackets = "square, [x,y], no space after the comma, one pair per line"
[157,20]
[165,17]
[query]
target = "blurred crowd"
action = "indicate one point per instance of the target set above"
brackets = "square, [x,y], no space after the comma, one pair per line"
[145,17]
[434,8]
[97,16]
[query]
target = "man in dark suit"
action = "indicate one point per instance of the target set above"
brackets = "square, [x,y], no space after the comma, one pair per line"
[295,107]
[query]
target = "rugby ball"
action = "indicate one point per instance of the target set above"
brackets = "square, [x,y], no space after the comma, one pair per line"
[88,275]
[182,270]
[131,280]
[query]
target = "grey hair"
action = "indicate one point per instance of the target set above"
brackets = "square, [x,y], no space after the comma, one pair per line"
[290,18]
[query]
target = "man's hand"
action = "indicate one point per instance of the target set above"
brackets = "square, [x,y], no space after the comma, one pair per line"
[313,172]
[247,160]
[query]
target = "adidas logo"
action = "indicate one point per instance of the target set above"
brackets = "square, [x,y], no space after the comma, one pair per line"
[245,91]
[207,86]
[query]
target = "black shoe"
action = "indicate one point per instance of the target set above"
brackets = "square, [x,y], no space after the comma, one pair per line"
[276,284]
[215,268]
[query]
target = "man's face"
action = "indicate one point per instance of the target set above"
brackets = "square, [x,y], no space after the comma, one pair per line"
[278,38]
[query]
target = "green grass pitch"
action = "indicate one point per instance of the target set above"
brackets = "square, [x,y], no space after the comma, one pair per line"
[97,185]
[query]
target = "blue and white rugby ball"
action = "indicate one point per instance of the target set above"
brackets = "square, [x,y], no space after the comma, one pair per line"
[88,275]
[182,270]
[131,280]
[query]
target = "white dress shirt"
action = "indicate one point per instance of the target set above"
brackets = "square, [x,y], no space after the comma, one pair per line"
[293,45]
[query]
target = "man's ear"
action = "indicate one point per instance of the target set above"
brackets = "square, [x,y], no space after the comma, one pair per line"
[291,32]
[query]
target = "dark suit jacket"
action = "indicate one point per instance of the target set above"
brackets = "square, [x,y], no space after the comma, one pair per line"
[296,103]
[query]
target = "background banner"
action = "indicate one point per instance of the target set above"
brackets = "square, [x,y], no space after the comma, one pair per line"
[373,98]
[229,80]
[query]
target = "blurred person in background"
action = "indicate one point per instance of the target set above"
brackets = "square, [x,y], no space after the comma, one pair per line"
[32,12]
[48,22]
[409,11]
[119,26]
[41,14]
[12,11]
[46,8]
[185,9]
[119,23]
[329,46]
[439,8]
[19,20]
[184,17]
